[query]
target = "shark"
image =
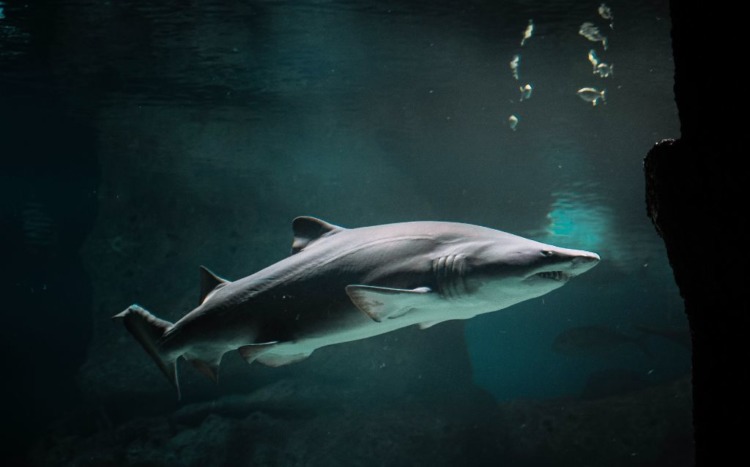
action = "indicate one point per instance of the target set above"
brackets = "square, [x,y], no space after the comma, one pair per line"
[340,285]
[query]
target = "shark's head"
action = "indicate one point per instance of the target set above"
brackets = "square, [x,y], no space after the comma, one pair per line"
[516,269]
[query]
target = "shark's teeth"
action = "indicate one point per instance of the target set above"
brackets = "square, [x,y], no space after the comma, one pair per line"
[554,275]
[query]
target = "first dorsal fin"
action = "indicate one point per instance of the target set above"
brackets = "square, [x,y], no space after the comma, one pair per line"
[209,283]
[309,229]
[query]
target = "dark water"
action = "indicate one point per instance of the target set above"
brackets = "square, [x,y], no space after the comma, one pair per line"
[142,139]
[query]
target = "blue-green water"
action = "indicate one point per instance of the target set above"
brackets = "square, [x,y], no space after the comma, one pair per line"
[142,139]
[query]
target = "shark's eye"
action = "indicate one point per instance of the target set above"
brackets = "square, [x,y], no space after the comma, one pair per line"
[547,253]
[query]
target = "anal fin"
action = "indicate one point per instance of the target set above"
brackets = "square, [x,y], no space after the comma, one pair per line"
[209,369]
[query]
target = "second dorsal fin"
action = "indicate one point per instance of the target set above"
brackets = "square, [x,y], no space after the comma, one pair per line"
[309,229]
[209,283]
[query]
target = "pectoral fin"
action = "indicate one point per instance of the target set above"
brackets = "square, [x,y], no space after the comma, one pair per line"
[274,360]
[380,303]
[262,353]
[428,324]
[253,351]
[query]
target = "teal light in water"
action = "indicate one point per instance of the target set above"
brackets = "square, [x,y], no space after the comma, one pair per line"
[573,220]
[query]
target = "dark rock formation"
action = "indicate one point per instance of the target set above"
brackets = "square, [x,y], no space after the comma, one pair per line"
[695,199]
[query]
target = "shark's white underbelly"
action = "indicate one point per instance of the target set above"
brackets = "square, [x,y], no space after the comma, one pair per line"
[440,310]
[309,344]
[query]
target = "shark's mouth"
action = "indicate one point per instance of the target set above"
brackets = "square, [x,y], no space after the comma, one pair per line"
[554,275]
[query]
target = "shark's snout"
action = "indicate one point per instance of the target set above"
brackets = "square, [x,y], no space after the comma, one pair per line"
[584,261]
[563,264]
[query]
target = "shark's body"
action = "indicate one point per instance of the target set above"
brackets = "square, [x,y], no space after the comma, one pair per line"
[341,285]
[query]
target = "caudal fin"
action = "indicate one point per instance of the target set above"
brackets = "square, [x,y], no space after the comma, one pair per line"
[148,329]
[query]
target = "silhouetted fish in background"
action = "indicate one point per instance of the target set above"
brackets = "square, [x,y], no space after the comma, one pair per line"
[525,92]
[528,32]
[593,59]
[606,13]
[604,70]
[592,95]
[514,63]
[592,33]
[513,122]
[681,337]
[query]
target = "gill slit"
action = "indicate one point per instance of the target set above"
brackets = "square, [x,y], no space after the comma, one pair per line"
[449,272]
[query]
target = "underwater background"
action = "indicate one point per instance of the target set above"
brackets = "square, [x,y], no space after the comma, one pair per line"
[140,140]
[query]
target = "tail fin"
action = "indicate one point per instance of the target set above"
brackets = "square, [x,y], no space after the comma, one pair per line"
[148,329]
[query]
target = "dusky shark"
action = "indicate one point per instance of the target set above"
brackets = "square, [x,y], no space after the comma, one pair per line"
[341,285]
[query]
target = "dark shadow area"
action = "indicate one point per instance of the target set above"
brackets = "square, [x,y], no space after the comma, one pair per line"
[48,187]
[697,200]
